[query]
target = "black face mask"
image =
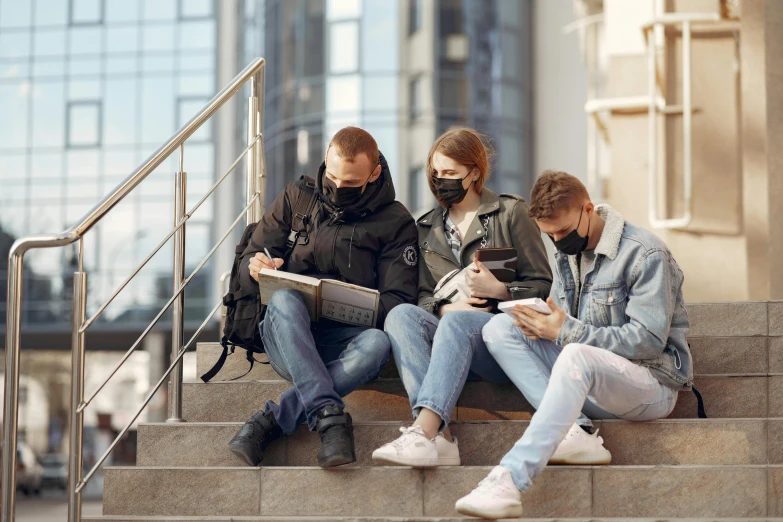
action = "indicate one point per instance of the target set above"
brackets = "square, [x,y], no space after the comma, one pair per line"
[449,191]
[342,197]
[573,243]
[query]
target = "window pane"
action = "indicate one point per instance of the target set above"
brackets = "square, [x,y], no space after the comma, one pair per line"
[13,166]
[86,40]
[49,43]
[510,54]
[122,66]
[15,13]
[343,94]
[85,67]
[47,165]
[342,9]
[10,71]
[197,8]
[157,109]
[84,123]
[196,61]
[189,108]
[48,68]
[84,90]
[124,11]
[49,114]
[160,9]
[164,63]
[86,11]
[196,85]
[82,165]
[382,23]
[50,12]
[197,35]
[510,153]
[14,98]
[122,40]
[510,12]
[344,47]
[14,44]
[380,94]
[159,38]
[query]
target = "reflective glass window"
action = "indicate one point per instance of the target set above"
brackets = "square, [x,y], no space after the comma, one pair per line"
[380,93]
[197,8]
[48,114]
[85,67]
[189,107]
[157,109]
[160,9]
[84,124]
[49,42]
[122,39]
[415,15]
[122,11]
[343,94]
[14,44]
[122,65]
[344,47]
[85,40]
[197,35]
[46,165]
[158,37]
[14,98]
[342,9]
[15,13]
[49,68]
[13,166]
[84,90]
[49,12]
[380,31]
[86,11]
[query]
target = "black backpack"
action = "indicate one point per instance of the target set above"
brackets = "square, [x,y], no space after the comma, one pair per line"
[244,309]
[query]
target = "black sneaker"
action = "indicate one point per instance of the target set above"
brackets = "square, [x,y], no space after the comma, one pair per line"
[251,440]
[336,431]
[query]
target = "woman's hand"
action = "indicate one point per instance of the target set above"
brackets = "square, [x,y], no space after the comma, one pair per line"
[465,304]
[484,284]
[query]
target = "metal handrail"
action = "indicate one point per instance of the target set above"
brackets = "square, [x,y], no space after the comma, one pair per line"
[255,182]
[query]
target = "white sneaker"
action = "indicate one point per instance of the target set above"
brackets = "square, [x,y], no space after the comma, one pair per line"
[448,452]
[495,497]
[412,448]
[579,447]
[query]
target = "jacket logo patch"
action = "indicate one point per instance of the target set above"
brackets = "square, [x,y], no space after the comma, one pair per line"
[410,256]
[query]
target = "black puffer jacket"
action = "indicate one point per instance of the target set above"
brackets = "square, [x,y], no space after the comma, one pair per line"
[371,244]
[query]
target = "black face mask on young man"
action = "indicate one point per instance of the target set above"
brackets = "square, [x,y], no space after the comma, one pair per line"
[342,197]
[573,244]
[449,191]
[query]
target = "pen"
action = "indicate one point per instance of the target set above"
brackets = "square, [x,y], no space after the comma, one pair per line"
[270,257]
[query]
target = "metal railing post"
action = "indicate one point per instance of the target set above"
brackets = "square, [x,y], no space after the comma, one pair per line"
[77,396]
[10,402]
[178,308]
[261,156]
[256,83]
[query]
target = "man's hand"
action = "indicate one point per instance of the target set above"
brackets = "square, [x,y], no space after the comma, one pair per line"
[465,304]
[484,284]
[536,325]
[260,261]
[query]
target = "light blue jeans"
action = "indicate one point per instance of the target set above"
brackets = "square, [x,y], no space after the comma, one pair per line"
[564,384]
[325,361]
[435,357]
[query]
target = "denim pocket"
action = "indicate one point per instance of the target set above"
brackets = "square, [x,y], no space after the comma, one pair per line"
[608,304]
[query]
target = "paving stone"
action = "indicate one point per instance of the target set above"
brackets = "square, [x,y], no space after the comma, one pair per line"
[776,396]
[776,318]
[725,397]
[341,491]
[729,355]
[680,492]
[728,319]
[776,354]
[184,491]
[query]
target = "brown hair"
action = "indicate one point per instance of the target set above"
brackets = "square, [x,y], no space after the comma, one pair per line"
[467,147]
[352,141]
[555,192]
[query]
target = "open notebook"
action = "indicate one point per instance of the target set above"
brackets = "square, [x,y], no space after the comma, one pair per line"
[325,298]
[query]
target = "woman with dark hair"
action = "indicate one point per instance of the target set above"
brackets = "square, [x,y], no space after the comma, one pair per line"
[438,344]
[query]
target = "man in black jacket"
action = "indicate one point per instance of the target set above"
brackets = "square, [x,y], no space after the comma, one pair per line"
[356,232]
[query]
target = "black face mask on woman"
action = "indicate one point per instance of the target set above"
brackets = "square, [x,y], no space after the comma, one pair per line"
[449,191]
[344,196]
[573,244]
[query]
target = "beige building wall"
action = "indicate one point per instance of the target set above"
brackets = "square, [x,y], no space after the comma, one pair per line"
[726,251]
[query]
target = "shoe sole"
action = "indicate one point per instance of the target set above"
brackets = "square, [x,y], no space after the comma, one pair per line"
[592,458]
[245,458]
[415,463]
[335,461]
[494,514]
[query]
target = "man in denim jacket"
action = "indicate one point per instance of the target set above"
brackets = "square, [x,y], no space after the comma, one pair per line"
[614,346]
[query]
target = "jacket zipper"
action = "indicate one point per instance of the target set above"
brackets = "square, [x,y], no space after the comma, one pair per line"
[334,249]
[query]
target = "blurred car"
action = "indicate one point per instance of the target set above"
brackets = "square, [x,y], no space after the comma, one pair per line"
[29,473]
[55,471]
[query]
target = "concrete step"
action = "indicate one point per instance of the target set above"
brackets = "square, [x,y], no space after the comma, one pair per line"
[483,443]
[386,400]
[711,356]
[612,491]
[407,519]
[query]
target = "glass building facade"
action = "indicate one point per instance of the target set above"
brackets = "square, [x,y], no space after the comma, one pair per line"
[88,89]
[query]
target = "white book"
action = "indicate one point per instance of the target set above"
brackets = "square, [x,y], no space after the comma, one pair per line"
[324,298]
[537,304]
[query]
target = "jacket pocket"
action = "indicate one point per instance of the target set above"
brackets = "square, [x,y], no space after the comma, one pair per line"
[608,304]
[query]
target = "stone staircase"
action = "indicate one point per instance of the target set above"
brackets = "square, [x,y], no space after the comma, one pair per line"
[729,466]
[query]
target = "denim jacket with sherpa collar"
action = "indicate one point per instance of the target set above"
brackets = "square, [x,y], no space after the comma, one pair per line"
[631,302]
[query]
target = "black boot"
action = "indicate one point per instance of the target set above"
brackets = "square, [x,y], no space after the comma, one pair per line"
[251,440]
[336,431]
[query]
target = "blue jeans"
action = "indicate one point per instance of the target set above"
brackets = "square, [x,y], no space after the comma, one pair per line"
[325,361]
[436,357]
[565,383]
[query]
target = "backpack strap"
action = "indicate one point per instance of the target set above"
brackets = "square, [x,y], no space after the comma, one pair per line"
[220,362]
[700,407]
[301,214]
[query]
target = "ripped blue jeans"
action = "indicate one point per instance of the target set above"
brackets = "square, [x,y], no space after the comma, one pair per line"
[565,384]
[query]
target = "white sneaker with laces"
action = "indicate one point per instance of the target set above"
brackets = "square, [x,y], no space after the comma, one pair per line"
[579,447]
[412,448]
[495,497]
[448,452]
